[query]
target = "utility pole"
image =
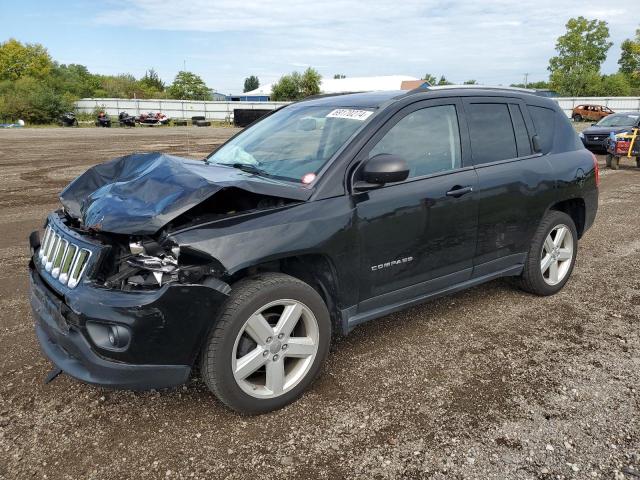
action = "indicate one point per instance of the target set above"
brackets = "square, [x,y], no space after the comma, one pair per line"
[526,80]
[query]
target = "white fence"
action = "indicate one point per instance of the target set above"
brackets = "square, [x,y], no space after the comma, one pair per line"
[172,108]
[617,104]
[224,110]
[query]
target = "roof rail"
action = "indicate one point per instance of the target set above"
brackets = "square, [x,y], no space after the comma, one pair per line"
[476,87]
[325,95]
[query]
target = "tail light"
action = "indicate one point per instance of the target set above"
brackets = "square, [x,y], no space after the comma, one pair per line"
[596,169]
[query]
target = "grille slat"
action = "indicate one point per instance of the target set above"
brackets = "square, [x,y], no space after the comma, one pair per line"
[65,260]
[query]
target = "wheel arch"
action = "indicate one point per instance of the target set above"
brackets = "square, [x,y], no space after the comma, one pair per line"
[315,269]
[576,209]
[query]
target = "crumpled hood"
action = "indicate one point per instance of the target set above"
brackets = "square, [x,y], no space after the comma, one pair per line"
[139,194]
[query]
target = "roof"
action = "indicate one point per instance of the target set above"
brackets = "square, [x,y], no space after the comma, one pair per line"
[360,100]
[376,99]
[349,84]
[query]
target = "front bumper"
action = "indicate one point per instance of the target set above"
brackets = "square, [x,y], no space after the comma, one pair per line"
[168,328]
[595,145]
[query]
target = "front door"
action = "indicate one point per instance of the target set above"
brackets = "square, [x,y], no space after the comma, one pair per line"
[418,235]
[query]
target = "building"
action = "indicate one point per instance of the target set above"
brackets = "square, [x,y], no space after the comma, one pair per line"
[338,85]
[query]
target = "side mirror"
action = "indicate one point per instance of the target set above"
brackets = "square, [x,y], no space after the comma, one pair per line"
[593,124]
[381,169]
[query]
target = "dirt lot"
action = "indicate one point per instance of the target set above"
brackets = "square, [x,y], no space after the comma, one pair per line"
[489,383]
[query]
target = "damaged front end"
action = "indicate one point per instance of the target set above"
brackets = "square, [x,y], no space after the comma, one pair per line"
[117,299]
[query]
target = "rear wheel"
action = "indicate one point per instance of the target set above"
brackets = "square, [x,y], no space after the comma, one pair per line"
[551,256]
[269,344]
[577,117]
[638,162]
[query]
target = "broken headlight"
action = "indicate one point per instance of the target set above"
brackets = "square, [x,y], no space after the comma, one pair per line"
[149,266]
[152,270]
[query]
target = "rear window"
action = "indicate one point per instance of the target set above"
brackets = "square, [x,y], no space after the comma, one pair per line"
[491,132]
[544,120]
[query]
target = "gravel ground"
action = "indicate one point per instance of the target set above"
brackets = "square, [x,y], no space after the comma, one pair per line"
[490,383]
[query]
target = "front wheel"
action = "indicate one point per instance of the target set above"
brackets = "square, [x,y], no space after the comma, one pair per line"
[551,256]
[268,345]
[577,118]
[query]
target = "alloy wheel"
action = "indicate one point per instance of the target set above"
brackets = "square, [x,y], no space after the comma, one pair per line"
[275,348]
[556,255]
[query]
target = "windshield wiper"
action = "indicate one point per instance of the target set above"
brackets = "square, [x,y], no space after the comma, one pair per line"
[247,167]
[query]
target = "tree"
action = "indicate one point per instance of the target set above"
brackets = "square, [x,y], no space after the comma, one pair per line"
[310,82]
[431,79]
[287,88]
[152,80]
[339,76]
[470,82]
[584,46]
[32,100]
[443,81]
[189,86]
[630,59]
[295,86]
[18,60]
[541,85]
[616,85]
[581,51]
[251,83]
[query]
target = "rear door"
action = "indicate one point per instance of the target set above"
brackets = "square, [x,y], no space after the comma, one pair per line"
[515,185]
[418,235]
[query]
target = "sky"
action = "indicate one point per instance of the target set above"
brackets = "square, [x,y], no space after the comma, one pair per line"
[492,41]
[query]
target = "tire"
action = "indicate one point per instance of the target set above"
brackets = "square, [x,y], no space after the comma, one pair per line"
[577,118]
[609,157]
[615,162]
[538,281]
[638,162]
[230,341]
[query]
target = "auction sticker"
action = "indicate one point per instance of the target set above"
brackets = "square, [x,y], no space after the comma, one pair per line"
[350,113]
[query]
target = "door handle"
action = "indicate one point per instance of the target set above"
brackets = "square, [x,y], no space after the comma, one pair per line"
[458,191]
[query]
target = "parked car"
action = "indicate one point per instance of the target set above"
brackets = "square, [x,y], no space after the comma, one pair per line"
[590,112]
[595,137]
[321,216]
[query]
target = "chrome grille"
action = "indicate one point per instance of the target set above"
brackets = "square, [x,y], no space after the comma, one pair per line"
[64,260]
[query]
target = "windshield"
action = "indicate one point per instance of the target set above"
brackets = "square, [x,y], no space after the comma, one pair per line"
[620,120]
[293,143]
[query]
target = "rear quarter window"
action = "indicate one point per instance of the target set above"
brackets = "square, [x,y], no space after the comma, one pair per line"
[544,119]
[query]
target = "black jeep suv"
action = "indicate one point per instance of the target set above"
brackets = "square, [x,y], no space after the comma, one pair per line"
[323,215]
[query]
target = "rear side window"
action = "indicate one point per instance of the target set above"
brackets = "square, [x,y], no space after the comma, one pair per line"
[491,132]
[544,120]
[522,136]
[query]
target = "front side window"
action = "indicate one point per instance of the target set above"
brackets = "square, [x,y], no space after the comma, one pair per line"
[294,142]
[491,132]
[427,139]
